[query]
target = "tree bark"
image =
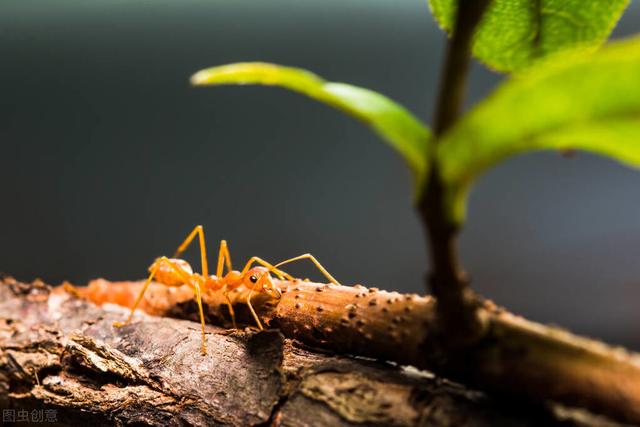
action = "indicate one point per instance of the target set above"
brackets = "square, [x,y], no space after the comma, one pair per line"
[62,353]
[515,357]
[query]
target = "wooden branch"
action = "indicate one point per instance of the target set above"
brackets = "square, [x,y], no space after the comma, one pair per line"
[62,353]
[515,357]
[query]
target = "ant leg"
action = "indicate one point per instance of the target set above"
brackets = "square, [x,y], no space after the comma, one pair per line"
[233,314]
[253,312]
[223,257]
[141,294]
[198,230]
[70,289]
[259,286]
[196,288]
[185,277]
[281,274]
[315,261]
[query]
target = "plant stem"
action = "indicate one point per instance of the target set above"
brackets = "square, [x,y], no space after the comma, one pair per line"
[448,281]
[456,66]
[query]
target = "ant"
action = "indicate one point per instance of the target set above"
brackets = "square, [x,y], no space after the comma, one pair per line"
[177,272]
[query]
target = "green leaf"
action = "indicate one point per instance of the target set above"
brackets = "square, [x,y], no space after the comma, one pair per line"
[515,33]
[391,121]
[588,102]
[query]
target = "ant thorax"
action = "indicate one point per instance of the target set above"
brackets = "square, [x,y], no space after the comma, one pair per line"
[233,277]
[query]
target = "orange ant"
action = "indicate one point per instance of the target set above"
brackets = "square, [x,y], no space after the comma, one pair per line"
[177,272]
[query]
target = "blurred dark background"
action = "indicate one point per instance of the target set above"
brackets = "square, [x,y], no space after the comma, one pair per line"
[109,157]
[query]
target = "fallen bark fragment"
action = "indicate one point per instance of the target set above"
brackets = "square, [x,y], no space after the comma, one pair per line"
[62,354]
[514,356]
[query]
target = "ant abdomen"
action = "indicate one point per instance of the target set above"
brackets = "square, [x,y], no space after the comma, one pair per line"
[167,274]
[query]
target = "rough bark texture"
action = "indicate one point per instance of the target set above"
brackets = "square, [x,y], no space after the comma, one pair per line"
[517,357]
[61,352]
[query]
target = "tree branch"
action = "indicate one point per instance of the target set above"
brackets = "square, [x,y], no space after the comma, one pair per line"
[515,357]
[62,355]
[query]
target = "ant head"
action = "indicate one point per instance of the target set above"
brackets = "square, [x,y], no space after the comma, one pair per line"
[259,279]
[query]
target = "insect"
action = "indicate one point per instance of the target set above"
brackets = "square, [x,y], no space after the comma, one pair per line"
[257,279]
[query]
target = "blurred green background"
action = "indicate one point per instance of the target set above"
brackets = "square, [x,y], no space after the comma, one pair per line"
[109,157]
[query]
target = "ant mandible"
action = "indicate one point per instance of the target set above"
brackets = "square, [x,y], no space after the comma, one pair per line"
[177,272]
